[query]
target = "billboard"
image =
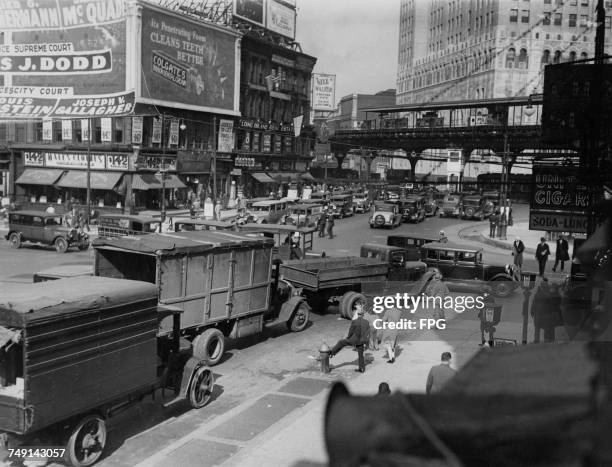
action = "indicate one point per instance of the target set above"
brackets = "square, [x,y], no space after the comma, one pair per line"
[63,58]
[250,10]
[323,91]
[280,19]
[186,63]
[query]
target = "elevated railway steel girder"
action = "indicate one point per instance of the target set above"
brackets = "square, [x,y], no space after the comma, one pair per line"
[418,139]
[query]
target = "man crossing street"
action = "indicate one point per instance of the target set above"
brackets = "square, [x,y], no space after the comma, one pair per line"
[493,220]
[358,336]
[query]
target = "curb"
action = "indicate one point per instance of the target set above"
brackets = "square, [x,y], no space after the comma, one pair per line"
[492,241]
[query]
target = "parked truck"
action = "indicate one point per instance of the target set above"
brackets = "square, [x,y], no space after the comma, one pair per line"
[220,280]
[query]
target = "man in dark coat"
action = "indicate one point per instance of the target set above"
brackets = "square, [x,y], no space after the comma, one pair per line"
[358,336]
[542,253]
[440,374]
[321,224]
[493,219]
[517,251]
[562,253]
[330,224]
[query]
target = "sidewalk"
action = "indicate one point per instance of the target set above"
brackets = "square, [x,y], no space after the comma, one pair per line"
[285,427]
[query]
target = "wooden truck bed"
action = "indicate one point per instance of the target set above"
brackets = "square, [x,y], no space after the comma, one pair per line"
[322,273]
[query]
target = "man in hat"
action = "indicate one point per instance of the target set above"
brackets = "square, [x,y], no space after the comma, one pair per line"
[295,250]
[542,253]
[517,251]
[561,253]
[358,336]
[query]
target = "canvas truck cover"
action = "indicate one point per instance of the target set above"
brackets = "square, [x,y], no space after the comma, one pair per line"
[45,300]
[181,242]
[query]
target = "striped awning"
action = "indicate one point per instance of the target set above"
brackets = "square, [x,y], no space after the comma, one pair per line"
[97,180]
[307,176]
[146,182]
[39,177]
[172,181]
[262,177]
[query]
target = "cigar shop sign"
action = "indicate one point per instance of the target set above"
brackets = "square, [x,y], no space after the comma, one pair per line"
[76,160]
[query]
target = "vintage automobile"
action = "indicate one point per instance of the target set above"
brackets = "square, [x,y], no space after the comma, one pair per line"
[343,205]
[431,204]
[304,214]
[221,281]
[44,228]
[187,225]
[269,211]
[77,351]
[411,242]
[476,207]
[281,234]
[321,197]
[412,209]
[362,202]
[119,225]
[451,206]
[404,265]
[461,264]
[385,215]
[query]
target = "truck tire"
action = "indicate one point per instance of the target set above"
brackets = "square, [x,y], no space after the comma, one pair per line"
[201,387]
[299,318]
[209,346]
[15,240]
[347,303]
[86,442]
[61,245]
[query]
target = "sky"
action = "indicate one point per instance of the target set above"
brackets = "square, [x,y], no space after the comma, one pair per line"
[357,40]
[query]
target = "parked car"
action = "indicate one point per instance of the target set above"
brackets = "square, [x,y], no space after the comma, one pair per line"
[476,207]
[411,242]
[44,228]
[118,225]
[451,206]
[461,264]
[343,205]
[404,264]
[362,202]
[385,215]
[269,211]
[412,209]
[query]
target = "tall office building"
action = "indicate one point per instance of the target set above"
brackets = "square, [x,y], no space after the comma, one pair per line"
[475,49]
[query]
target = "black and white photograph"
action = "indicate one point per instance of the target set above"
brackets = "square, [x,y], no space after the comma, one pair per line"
[306,233]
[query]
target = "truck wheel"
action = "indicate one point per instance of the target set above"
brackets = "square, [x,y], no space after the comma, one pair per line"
[209,346]
[347,304]
[201,387]
[86,442]
[61,245]
[15,240]
[502,288]
[299,319]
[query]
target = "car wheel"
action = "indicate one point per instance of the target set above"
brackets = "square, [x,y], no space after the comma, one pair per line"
[61,245]
[502,288]
[209,346]
[86,442]
[15,240]
[299,319]
[201,388]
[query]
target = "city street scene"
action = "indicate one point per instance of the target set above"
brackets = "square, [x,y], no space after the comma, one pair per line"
[303,233]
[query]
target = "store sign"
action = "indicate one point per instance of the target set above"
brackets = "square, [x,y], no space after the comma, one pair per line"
[558,222]
[157,162]
[244,162]
[187,62]
[256,138]
[63,58]
[557,188]
[280,19]
[250,10]
[246,142]
[278,144]
[73,160]
[193,162]
[137,128]
[267,143]
[323,91]
[226,136]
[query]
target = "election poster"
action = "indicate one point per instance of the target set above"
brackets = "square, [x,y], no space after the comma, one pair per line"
[323,91]
[137,126]
[157,130]
[47,133]
[107,130]
[226,136]
[66,130]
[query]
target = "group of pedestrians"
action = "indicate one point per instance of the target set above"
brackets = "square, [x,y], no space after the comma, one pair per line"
[326,222]
[542,253]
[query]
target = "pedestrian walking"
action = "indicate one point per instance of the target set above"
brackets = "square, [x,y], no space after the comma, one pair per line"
[540,311]
[440,374]
[561,253]
[295,250]
[542,253]
[493,219]
[489,301]
[358,336]
[518,247]
[393,317]
[329,224]
[437,289]
[321,224]
[375,334]
[384,389]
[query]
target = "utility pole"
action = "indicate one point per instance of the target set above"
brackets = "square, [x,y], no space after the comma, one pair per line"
[214,168]
[88,170]
[163,177]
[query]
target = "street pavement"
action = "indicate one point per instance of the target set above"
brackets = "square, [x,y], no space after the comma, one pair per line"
[269,398]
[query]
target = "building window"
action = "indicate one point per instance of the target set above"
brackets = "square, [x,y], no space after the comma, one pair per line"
[583,56]
[523,61]
[608,22]
[584,3]
[545,58]
[572,56]
[557,57]
[572,21]
[558,19]
[524,16]
[584,19]
[510,56]
[546,19]
[573,2]
[514,15]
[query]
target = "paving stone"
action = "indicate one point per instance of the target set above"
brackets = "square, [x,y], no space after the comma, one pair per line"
[199,452]
[305,386]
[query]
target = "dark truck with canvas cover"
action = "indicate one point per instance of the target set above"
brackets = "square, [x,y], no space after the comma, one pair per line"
[74,352]
[220,280]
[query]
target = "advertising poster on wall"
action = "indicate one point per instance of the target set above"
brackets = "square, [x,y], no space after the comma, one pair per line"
[107,130]
[280,19]
[174,133]
[157,130]
[226,136]
[63,58]
[137,126]
[187,64]
[250,10]
[47,130]
[85,129]
[323,91]
[66,130]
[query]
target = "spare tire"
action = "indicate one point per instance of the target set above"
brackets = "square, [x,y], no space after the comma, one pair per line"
[379,220]
[347,303]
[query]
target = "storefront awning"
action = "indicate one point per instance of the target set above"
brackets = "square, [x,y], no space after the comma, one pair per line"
[97,180]
[146,182]
[308,177]
[172,181]
[39,177]
[262,177]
